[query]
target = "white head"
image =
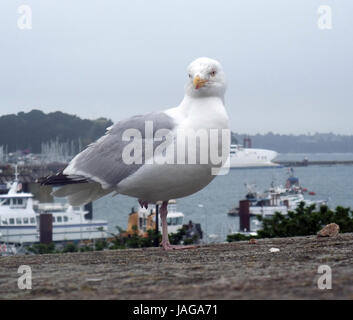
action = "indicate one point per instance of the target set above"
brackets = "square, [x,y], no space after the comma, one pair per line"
[206,78]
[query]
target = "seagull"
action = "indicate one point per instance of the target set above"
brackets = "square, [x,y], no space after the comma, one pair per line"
[121,162]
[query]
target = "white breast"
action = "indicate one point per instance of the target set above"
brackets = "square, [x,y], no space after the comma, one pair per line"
[154,182]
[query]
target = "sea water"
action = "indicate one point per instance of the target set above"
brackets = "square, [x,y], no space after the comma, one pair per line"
[209,206]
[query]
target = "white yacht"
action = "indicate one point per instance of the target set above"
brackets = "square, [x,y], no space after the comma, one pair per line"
[241,157]
[19,222]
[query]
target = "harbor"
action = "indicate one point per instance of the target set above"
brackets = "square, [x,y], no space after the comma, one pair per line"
[31,173]
[210,206]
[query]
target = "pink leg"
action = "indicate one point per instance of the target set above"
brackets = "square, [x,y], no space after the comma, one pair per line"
[165,240]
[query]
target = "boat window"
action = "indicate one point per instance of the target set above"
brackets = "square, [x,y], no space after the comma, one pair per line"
[53,219]
[12,221]
[18,221]
[33,220]
[66,219]
[6,203]
[17,202]
[4,221]
[59,219]
[174,221]
[25,220]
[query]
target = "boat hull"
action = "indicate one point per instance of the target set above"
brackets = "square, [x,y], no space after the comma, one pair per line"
[251,158]
[30,234]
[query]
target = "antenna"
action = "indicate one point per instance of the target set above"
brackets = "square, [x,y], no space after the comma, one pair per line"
[16,173]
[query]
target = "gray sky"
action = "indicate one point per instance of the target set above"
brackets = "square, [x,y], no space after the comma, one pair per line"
[114,59]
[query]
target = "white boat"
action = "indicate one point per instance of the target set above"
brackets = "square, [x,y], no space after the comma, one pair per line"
[175,219]
[70,222]
[19,222]
[143,221]
[241,157]
[277,198]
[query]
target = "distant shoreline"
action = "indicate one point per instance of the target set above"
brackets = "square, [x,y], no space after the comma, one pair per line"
[313,163]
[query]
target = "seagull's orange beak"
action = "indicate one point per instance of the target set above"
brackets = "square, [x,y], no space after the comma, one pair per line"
[198,82]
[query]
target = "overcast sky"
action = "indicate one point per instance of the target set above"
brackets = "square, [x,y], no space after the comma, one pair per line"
[114,59]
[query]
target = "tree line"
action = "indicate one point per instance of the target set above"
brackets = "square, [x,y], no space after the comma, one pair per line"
[28,131]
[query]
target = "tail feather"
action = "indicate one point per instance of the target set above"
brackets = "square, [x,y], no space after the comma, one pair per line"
[83,193]
[78,190]
[60,179]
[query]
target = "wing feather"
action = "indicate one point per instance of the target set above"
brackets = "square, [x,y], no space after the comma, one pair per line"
[102,160]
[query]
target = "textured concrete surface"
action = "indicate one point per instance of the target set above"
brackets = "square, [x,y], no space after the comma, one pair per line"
[220,271]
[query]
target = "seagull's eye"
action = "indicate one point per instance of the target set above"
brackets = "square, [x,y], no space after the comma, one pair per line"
[190,76]
[213,73]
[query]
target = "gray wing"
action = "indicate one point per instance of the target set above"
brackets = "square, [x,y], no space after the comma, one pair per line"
[102,160]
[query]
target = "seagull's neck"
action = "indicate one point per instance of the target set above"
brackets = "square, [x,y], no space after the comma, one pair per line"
[208,111]
[191,105]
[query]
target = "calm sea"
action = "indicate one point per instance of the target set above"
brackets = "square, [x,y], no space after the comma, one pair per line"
[332,183]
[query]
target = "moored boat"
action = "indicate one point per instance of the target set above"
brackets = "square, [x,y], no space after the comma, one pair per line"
[19,221]
[277,198]
[142,220]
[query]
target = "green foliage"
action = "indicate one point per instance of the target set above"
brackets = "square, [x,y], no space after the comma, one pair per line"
[119,242]
[176,238]
[30,130]
[100,244]
[70,247]
[239,237]
[305,221]
[86,248]
[41,248]
[151,239]
[136,241]
[192,240]
[181,237]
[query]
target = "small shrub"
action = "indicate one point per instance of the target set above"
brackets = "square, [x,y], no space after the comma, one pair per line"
[239,237]
[41,248]
[303,221]
[100,245]
[70,247]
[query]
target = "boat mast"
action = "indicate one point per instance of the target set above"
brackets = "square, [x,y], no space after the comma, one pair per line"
[16,173]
